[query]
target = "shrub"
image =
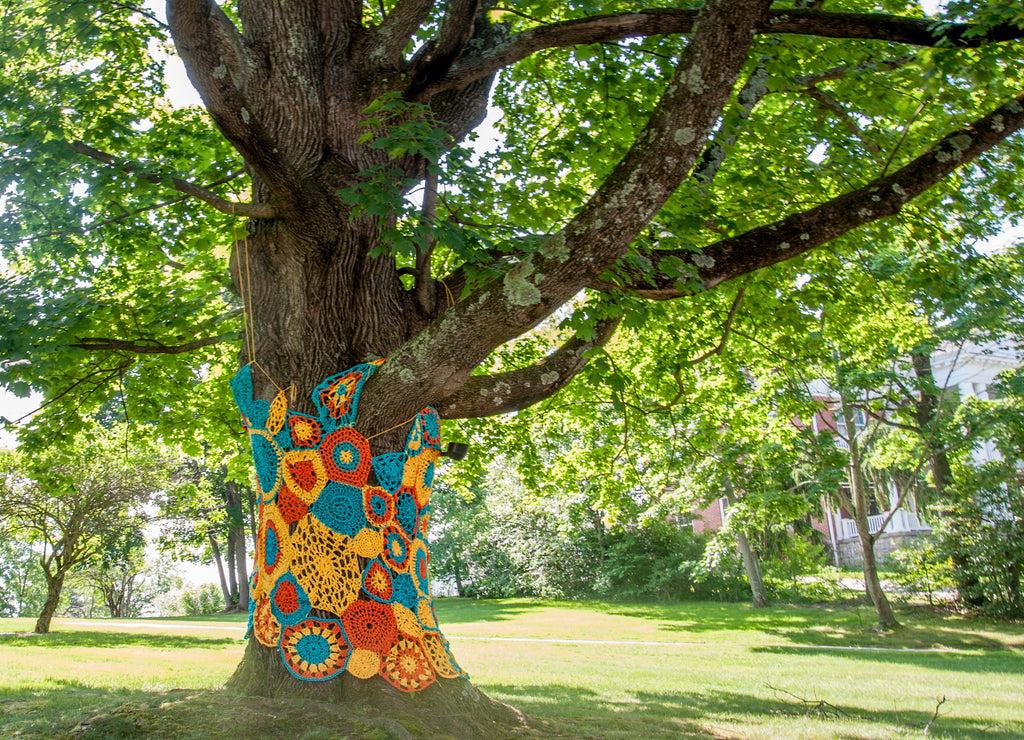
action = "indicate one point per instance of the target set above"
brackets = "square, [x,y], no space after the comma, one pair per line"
[920,568]
[199,600]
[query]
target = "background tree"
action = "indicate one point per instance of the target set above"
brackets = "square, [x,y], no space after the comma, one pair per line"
[22,588]
[125,580]
[76,503]
[704,119]
[213,518]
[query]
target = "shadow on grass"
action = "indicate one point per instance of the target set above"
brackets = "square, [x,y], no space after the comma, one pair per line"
[822,624]
[576,712]
[462,610]
[989,661]
[47,713]
[88,639]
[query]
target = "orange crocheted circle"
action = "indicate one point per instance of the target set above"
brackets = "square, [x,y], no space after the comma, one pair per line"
[346,456]
[304,474]
[265,626]
[291,506]
[370,625]
[406,667]
[337,396]
[305,431]
[379,506]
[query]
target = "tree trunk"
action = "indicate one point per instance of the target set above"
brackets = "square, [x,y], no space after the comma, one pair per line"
[340,588]
[926,412]
[751,566]
[886,618]
[54,585]
[236,545]
[861,503]
[232,581]
[239,567]
[753,570]
[225,591]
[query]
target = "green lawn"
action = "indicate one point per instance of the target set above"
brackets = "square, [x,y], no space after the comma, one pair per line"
[708,670]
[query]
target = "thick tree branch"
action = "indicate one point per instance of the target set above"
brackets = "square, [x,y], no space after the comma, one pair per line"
[442,357]
[657,21]
[488,395]
[394,33]
[145,346]
[456,29]
[753,91]
[252,210]
[214,56]
[460,111]
[806,230]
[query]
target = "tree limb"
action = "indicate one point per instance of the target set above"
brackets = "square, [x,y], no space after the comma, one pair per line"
[121,217]
[726,328]
[214,56]
[834,106]
[443,356]
[488,395]
[145,346]
[393,34]
[803,231]
[136,169]
[456,29]
[657,21]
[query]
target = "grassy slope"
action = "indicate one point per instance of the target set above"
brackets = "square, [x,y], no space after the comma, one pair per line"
[728,672]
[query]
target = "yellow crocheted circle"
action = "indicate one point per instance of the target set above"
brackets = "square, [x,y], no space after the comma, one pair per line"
[363,663]
[278,410]
[368,543]
[325,565]
[265,626]
[407,621]
[426,614]
[271,519]
[304,474]
[438,655]
[414,476]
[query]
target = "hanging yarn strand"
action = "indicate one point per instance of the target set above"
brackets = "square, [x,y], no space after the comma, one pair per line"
[396,426]
[247,299]
[244,292]
[248,328]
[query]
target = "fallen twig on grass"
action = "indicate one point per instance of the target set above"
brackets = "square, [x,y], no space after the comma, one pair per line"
[935,715]
[813,707]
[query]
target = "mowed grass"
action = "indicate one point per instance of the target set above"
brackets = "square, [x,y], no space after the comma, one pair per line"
[598,670]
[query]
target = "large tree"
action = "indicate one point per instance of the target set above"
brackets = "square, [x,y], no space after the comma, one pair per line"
[650,154]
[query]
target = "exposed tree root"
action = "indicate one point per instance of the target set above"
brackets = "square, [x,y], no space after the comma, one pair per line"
[225,715]
[448,707]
